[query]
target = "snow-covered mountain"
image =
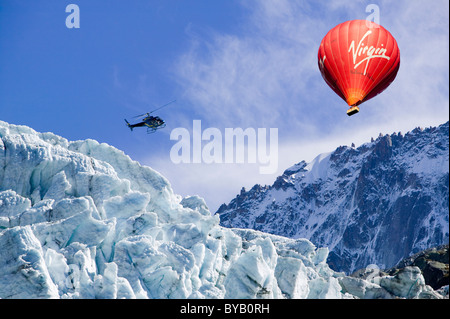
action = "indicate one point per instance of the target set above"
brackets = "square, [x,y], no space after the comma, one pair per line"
[82,220]
[374,204]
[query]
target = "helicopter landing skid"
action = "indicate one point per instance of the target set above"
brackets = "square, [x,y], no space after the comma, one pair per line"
[151,130]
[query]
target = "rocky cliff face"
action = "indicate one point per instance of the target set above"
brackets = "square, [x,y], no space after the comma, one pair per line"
[374,204]
[433,263]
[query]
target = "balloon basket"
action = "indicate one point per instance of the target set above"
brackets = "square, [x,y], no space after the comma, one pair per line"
[352,110]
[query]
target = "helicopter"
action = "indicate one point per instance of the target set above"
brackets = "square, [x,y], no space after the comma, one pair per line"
[153,123]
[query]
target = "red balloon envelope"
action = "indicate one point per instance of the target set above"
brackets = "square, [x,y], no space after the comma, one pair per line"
[358,61]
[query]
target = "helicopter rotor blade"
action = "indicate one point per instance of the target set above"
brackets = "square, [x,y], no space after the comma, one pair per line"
[148,113]
[140,115]
[161,107]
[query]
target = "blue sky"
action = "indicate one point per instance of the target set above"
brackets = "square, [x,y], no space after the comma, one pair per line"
[248,64]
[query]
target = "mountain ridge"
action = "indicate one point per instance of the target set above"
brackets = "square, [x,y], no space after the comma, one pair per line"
[391,192]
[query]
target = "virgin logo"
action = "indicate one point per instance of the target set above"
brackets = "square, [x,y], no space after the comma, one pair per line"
[368,52]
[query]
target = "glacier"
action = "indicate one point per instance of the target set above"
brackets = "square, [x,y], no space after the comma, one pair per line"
[82,220]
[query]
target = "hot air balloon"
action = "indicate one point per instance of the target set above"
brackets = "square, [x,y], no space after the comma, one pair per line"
[358,61]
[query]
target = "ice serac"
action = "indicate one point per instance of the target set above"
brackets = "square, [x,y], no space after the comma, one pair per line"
[82,220]
[23,272]
[375,204]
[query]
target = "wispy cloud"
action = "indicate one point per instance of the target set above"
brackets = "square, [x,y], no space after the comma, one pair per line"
[420,94]
[255,77]
[266,75]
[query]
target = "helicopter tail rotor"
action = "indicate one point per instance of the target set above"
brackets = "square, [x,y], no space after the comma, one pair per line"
[129,125]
